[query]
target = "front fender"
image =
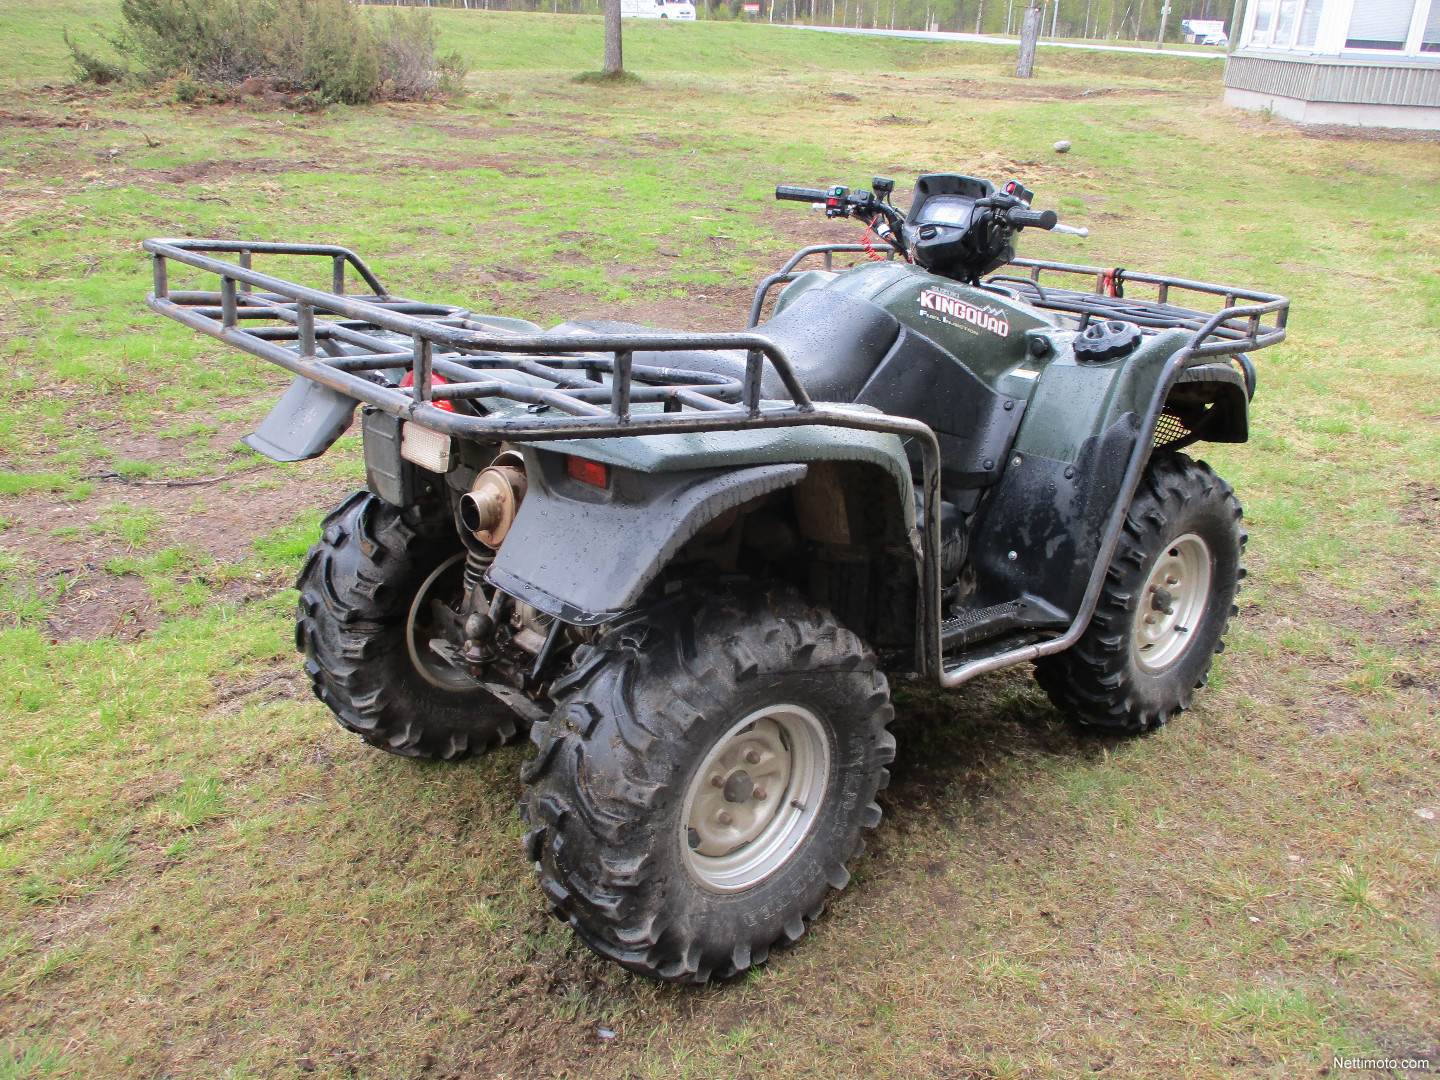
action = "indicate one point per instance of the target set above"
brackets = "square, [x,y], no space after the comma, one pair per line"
[584,555]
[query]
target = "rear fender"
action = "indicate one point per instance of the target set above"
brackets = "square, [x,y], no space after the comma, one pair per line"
[584,554]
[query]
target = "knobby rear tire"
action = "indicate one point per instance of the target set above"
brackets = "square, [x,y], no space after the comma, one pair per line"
[356,589]
[634,720]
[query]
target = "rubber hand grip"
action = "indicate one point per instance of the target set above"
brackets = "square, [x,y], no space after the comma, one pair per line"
[801,194]
[1040,219]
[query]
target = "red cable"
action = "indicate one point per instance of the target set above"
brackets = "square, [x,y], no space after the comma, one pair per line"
[865,240]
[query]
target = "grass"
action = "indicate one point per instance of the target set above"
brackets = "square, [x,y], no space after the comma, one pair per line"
[206,877]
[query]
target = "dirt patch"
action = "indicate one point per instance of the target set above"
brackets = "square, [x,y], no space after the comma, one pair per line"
[470,274]
[71,550]
[224,170]
[77,123]
[986,91]
[1335,132]
[280,684]
[97,604]
[1421,506]
[715,310]
[1332,716]
[144,790]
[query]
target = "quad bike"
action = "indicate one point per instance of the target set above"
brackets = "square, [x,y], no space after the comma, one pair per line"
[687,561]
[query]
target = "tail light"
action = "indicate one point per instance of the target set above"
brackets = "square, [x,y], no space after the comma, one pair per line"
[438,380]
[587,472]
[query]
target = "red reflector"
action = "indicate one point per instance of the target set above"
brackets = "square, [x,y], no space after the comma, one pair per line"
[435,380]
[587,472]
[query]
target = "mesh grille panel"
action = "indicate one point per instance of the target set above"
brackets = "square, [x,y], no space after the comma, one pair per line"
[1169,429]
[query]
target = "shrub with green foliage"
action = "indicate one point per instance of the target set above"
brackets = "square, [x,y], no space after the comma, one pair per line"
[92,68]
[322,47]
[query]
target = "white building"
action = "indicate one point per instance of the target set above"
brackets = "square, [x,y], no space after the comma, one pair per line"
[1372,63]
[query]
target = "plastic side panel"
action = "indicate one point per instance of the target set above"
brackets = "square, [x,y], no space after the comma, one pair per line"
[304,423]
[584,556]
[975,424]
[1050,513]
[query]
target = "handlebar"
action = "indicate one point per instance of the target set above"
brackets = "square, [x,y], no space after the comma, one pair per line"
[1039,219]
[801,194]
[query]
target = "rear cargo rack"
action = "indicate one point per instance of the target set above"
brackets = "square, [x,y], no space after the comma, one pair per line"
[587,385]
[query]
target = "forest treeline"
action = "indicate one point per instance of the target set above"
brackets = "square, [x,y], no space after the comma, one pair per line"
[1113,20]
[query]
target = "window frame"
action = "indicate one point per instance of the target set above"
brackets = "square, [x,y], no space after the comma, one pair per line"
[1411,48]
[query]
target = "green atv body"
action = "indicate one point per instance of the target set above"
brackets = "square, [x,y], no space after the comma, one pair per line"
[691,563]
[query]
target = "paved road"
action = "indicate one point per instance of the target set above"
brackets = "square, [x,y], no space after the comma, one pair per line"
[993,39]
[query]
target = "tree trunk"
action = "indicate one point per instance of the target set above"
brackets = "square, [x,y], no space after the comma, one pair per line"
[1029,33]
[614,63]
[980,16]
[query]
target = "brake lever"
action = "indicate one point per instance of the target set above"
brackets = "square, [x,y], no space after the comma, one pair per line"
[1071,229]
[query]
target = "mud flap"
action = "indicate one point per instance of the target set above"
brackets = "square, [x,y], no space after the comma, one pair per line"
[304,423]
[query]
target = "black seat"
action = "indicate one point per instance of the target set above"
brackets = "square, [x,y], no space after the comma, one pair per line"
[833,341]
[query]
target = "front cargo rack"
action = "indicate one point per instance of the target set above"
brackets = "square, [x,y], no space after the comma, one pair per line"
[1242,328]
[410,358]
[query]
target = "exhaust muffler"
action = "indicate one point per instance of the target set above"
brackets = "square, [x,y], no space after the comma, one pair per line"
[488,509]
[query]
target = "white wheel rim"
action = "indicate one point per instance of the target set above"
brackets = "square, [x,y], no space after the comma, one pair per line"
[754,798]
[1172,603]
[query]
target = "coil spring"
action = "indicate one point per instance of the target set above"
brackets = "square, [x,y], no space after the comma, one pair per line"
[476,564]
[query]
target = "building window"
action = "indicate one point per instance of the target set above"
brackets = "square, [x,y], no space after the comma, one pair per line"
[1430,40]
[1380,24]
[1310,24]
[1285,23]
[1264,16]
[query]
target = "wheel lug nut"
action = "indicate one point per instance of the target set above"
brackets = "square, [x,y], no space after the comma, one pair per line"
[717,780]
[1170,579]
[759,794]
[724,817]
[752,756]
[1150,619]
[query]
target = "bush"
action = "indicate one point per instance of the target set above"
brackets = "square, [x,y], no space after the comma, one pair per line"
[91,68]
[323,47]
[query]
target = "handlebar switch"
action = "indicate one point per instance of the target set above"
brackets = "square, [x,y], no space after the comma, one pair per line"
[835,201]
[1019,191]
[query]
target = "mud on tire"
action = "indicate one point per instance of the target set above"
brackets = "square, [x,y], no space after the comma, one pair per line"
[356,589]
[635,720]
[1101,680]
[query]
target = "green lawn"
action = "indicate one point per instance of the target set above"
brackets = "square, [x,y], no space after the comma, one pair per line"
[204,876]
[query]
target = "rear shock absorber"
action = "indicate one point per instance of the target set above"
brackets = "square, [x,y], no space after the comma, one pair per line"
[477,562]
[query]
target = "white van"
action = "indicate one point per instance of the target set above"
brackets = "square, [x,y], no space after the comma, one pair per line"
[657,9]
